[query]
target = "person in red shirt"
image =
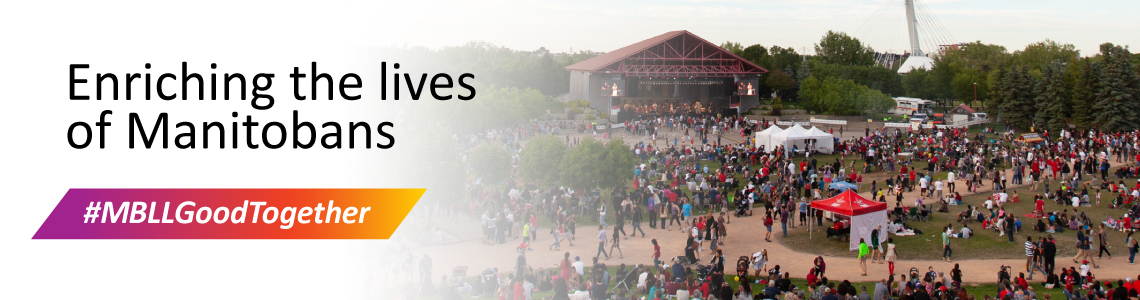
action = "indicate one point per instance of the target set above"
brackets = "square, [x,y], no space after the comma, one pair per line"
[811,279]
[656,254]
[912,179]
[672,287]
[519,291]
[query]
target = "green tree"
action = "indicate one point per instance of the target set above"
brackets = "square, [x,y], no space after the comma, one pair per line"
[779,81]
[435,154]
[618,165]
[975,59]
[997,94]
[492,107]
[838,48]
[836,96]
[1018,104]
[1084,91]
[916,84]
[875,77]
[494,65]
[968,83]
[756,54]
[1040,55]
[784,58]
[1119,94]
[491,162]
[1053,99]
[540,160]
[733,47]
[582,166]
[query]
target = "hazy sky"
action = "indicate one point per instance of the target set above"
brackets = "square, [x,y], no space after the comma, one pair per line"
[607,25]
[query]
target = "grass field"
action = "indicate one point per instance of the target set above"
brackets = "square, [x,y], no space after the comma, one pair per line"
[985,243]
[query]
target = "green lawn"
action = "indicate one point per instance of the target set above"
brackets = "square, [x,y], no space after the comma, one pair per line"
[985,243]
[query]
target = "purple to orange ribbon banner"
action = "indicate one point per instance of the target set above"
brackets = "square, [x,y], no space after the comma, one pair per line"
[229,213]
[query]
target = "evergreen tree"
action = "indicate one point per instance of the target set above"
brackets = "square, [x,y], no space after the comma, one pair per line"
[1018,106]
[1040,102]
[997,94]
[1084,92]
[1118,98]
[1053,100]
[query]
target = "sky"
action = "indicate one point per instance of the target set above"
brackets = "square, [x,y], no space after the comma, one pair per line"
[606,25]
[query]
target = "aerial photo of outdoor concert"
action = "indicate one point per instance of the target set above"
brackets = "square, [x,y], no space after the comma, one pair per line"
[948,170]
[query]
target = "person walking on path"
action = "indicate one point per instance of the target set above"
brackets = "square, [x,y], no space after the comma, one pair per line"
[1049,254]
[616,244]
[1086,248]
[1103,243]
[1133,247]
[619,226]
[768,225]
[876,249]
[675,217]
[602,215]
[637,221]
[864,251]
[601,242]
[656,255]
[784,221]
[557,231]
[946,252]
[891,256]
[950,178]
[686,212]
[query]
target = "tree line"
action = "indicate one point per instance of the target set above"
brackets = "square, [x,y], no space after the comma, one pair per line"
[1053,91]
[842,78]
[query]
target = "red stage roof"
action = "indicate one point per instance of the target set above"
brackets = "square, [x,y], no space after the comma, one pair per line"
[673,54]
[849,203]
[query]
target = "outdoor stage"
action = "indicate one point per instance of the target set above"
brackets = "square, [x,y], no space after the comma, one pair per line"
[670,74]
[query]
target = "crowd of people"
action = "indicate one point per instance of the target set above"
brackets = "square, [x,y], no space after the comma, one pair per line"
[692,173]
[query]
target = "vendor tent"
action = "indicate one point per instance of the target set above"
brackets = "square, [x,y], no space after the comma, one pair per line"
[763,138]
[1032,138]
[865,215]
[824,142]
[794,136]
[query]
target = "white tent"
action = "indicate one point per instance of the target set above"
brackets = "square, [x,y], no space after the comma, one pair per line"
[793,136]
[824,142]
[763,137]
[916,62]
[866,215]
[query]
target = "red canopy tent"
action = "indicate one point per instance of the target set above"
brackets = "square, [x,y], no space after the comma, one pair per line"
[866,215]
[849,203]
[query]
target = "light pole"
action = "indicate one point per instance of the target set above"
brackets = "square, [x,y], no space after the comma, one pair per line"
[975,94]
